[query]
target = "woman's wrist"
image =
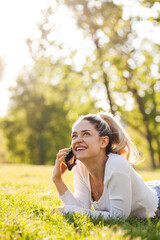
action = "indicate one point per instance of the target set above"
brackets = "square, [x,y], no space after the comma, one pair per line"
[60,185]
[56,179]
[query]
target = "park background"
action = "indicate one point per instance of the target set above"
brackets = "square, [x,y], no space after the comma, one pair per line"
[85,57]
[59,60]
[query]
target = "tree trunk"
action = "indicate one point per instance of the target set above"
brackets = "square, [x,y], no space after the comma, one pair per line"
[159,158]
[156,135]
[150,146]
[148,132]
[106,83]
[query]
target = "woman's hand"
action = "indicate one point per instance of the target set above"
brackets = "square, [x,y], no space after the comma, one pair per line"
[58,209]
[60,167]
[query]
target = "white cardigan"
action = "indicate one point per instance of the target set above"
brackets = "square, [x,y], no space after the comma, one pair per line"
[124,194]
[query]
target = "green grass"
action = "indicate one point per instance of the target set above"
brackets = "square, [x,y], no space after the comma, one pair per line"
[27,195]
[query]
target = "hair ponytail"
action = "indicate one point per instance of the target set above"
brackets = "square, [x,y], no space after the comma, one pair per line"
[121,143]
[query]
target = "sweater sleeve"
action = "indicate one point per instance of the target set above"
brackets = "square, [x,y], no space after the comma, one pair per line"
[81,197]
[72,209]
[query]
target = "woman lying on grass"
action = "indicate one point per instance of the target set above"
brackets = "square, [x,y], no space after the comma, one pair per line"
[103,175]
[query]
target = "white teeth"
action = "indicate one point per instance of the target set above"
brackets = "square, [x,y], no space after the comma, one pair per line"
[80,148]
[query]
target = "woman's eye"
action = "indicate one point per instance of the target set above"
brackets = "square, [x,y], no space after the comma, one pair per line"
[86,133]
[73,136]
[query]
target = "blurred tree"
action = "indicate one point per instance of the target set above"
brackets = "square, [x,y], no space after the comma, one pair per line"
[139,76]
[59,65]
[36,126]
[140,84]
[150,3]
[116,63]
[46,101]
[3,148]
[41,113]
[125,70]
[102,22]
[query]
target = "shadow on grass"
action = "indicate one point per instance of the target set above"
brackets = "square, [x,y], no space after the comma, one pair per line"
[132,227]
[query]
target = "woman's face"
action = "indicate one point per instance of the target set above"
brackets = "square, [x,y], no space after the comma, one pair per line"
[86,142]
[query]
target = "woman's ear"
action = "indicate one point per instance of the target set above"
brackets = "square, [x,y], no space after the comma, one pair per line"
[104,141]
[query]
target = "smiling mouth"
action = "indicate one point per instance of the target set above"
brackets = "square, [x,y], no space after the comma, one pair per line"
[79,149]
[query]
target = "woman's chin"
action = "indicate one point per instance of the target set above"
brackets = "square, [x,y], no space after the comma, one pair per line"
[80,156]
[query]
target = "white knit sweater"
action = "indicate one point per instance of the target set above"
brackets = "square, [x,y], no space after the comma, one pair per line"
[124,194]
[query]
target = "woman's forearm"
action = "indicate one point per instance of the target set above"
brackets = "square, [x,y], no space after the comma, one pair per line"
[59,169]
[60,185]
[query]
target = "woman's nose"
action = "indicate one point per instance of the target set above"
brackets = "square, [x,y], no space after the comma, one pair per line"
[78,139]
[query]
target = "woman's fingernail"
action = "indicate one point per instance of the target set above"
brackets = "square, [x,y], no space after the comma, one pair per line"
[70,148]
[64,155]
[67,152]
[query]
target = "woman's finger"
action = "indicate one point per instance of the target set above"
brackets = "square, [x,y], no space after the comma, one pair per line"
[64,150]
[59,160]
[62,153]
[58,209]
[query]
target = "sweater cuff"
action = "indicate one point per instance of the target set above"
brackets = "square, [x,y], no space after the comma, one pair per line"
[72,209]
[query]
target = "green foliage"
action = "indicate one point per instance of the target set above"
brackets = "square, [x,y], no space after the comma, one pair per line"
[3,148]
[28,195]
[42,112]
[127,71]
[121,67]
[36,126]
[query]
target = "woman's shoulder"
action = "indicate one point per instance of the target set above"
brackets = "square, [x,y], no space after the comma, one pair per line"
[117,163]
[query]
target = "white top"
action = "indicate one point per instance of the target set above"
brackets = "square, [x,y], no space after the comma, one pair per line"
[124,194]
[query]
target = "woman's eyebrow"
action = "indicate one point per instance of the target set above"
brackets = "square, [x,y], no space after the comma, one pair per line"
[85,130]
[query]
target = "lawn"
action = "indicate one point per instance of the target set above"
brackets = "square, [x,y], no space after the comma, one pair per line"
[27,195]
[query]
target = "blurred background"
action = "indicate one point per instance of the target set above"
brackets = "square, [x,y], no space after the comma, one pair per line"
[61,59]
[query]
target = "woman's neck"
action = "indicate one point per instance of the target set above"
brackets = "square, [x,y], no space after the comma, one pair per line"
[96,168]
